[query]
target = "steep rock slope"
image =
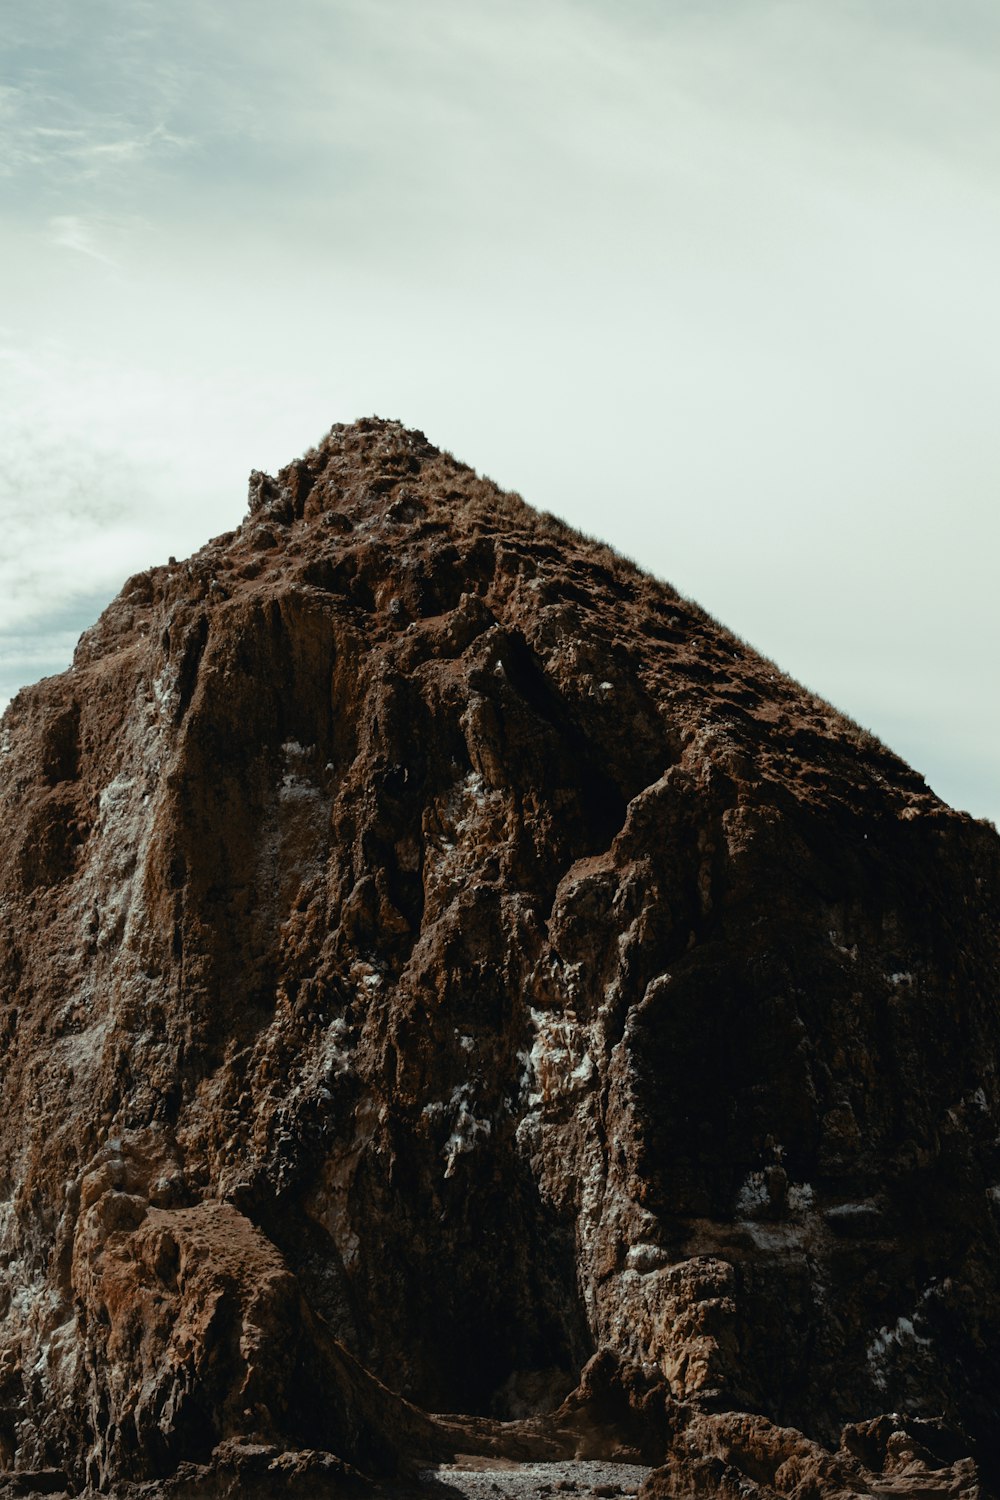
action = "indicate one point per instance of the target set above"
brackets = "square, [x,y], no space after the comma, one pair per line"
[432,952]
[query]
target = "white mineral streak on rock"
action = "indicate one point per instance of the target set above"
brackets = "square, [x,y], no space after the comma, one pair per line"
[112,885]
[164,689]
[297,783]
[850,952]
[645,1258]
[558,1063]
[466,1130]
[331,1058]
[329,1202]
[887,1342]
[800,1197]
[468,818]
[110,919]
[752,1197]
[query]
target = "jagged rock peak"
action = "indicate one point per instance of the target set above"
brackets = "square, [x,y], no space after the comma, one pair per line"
[402,530]
[353,464]
[377,468]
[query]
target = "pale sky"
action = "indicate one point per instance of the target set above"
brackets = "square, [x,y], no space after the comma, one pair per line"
[716,281]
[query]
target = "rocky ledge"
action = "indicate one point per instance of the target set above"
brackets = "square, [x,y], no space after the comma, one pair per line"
[443,970]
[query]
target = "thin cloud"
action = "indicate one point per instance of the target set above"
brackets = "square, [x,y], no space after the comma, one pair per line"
[77,112]
[97,155]
[81,235]
[714,281]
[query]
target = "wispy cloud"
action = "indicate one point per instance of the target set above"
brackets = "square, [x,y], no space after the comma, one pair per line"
[715,280]
[94,148]
[81,235]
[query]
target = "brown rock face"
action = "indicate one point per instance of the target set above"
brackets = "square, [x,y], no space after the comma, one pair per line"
[433,952]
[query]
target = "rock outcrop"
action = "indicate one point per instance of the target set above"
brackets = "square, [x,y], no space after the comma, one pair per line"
[435,954]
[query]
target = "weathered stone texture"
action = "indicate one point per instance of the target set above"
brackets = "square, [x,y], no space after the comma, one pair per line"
[428,942]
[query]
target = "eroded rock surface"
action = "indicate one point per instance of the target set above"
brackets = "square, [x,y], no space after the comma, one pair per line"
[433,952]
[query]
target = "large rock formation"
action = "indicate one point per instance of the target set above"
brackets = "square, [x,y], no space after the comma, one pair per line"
[434,952]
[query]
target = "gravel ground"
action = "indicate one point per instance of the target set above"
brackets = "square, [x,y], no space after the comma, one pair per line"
[503,1479]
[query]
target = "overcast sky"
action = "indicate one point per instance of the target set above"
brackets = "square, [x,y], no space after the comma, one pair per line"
[714,280]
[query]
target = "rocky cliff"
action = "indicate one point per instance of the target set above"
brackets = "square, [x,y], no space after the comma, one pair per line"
[437,959]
